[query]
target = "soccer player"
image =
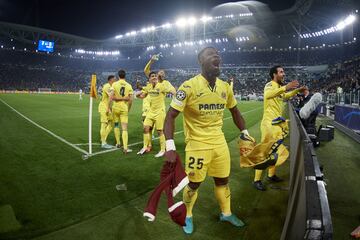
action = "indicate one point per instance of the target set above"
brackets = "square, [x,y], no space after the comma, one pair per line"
[161,79]
[202,100]
[275,92]
[105,112]
[80,94]
[161,74]
[156,114]
[122,99]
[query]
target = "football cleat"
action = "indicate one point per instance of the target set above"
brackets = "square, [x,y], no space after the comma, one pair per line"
[106,146]
[233,219]
[160,154]
[274,179]
[142,151]
[259,185]
[189,227]
[127,150]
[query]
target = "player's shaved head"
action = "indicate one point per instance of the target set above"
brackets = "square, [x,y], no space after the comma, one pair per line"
[201,53]
[210,60]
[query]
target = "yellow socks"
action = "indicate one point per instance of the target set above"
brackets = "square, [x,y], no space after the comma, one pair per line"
[108,129]
[189,198]
[117,134]
[146,139]
[103,134]
[258,174]
[222,194]
[125,138]
[271,171]
[162,142]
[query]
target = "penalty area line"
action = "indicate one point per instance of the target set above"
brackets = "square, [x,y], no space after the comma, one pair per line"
[46,130]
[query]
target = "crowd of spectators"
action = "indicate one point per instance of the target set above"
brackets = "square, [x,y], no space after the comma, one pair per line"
[29,71]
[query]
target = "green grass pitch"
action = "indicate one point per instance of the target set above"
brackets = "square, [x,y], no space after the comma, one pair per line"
[57,195]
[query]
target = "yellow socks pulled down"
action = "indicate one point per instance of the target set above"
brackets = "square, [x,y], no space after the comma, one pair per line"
[146,139]
[162,142]
[117,134]
[223,195]
[271,171]
[108,129]
[103,134]
[258,174]
[189,198]
[125,138]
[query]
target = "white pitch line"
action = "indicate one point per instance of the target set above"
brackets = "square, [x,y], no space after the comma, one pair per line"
[85,144]
[46,130]
[175,133]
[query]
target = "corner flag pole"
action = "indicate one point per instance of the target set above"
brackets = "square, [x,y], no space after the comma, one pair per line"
[93,93]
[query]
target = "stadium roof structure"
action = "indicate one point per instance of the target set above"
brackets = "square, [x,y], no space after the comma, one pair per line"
[248,21]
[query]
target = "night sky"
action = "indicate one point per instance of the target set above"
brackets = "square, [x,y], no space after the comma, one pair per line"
[106,18]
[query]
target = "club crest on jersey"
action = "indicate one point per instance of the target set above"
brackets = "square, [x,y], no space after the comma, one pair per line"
[223,95]
[180,95]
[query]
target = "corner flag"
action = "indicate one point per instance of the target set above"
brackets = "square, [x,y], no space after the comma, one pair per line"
[93,94]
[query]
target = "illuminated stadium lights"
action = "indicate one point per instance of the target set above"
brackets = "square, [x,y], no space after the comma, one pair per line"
[181,22]
[191,21]
[148,29]
[164,45]
[132,33]
[150,48]
[340,26]
[245,14]
[242,39]
[349,20]
[205,19]
[98,53]
[166,25]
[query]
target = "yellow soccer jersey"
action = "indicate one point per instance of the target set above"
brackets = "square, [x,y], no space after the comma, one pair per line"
[170,88]
[203,110]
[121,89]
[274,96]
[146,104]
[106,91]
[157,95]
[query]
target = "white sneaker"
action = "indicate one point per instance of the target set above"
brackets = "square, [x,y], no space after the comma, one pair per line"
[128,150]
[142,151]
[160,154]
[106,146]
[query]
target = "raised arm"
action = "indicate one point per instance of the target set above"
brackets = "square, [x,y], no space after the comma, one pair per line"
[271,92]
